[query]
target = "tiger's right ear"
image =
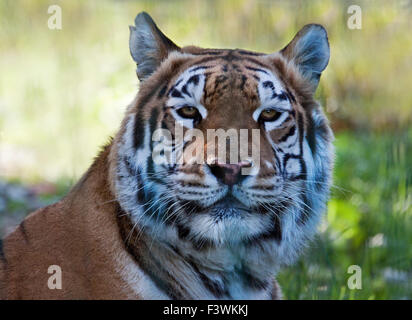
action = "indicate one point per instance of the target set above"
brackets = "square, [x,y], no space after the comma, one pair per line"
[309,50]
[148,45]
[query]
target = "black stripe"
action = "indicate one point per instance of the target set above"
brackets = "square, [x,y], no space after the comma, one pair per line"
[256,62]
[256,70]
[161,276]
[154,269]
[207,59]
[2,254]
[24,232]
[275,231]
[242,84]
[253,282]
[153,123]
[269,84]
[236,67]
[277,160]
[153,120]
[220,79]
[311,136]
[162,92]
[300,126]
[174,86]
[141,197]
[199,244]
[290,133]
[139,122]
[152,174]
[303,217]
[214,287]
[193,79]
[207,53]
[176,93]
[249,53]
[291,96]
[184,90]
[230,57]
[138,134]
[282,96]
[182,231]
[199,68]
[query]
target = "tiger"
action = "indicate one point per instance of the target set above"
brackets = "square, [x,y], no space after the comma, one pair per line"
[136,226]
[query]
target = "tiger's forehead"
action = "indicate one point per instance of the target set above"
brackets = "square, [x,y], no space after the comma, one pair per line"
[206,83]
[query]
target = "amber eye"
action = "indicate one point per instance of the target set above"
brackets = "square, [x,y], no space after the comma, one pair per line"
[269,115]
[189,112]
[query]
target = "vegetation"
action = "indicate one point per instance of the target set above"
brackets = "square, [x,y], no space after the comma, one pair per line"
[63,93]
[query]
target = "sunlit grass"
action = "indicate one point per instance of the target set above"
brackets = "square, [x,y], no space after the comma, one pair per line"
[369,223]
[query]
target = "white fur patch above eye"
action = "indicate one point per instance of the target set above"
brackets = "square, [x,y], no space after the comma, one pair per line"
[188,91]
[272,95]
[270,89]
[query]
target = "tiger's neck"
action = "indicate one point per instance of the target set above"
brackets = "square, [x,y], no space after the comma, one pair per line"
[182,273]
[183,270]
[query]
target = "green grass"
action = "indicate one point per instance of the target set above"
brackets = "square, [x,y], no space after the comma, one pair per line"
[368,223]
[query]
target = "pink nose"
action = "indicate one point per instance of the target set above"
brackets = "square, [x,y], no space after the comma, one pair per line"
[229,174]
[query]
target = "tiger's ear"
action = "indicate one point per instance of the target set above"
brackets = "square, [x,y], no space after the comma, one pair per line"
[148,45]
[309,50]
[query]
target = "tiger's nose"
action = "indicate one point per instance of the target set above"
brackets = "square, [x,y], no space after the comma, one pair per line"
[229,174]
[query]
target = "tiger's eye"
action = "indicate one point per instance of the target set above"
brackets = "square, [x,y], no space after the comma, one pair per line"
[188,112]
[269,115]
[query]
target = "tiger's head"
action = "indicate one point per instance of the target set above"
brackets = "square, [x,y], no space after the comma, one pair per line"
[222,147]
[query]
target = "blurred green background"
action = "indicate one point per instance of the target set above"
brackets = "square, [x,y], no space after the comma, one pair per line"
[63,93]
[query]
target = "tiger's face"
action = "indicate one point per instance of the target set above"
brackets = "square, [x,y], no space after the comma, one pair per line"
[232,92]
[225,146]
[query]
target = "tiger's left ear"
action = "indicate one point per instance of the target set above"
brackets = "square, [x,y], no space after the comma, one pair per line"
[148,45]
[309,51]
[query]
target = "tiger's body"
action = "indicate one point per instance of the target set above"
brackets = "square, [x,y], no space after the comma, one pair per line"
[134,227]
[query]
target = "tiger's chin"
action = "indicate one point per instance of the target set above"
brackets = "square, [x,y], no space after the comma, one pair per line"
[228,208]
[228,221]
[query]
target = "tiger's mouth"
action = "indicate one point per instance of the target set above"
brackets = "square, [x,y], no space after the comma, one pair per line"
[228,207]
